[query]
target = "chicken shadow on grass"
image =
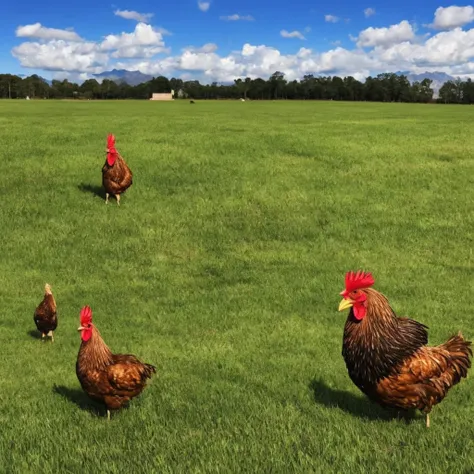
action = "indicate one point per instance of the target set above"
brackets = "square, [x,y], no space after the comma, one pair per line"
[361,407]
[93,189]
[34,334]
[79,398]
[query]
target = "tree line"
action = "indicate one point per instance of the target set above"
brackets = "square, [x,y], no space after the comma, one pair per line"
[387,87]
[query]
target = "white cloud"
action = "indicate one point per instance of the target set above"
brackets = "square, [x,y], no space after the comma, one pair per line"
[57,55]
[398,33]
[133,15]
[77,77]
[36,30]
[206,48]
[449,49]
[139,52]
[237,17]
[389,49]
[331,18]
[163,31]
[145,41]
[369,12]
[203,6]
[452,17]
[292,34]
[260,61]
[86,56]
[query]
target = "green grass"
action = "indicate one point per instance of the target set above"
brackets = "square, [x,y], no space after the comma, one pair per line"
[223,267]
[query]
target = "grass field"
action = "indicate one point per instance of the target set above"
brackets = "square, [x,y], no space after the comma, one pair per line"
[223,267]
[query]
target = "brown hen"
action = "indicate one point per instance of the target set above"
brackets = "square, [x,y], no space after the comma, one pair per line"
[45,316]
[116,175]
[113,379]
[386,356]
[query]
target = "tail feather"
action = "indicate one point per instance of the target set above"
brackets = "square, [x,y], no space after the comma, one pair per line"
[460,354]
[149,370]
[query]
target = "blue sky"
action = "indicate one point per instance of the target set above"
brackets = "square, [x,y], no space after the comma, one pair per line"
[234,39]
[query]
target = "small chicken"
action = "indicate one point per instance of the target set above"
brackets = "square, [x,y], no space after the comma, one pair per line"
[387,356]
[113,379]
[45,317]
[116,175]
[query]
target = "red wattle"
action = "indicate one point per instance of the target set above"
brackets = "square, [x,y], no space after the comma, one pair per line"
[359,311]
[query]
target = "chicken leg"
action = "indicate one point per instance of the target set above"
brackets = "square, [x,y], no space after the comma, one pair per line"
[427,420]
[118,199]
[108,415]
[50,334]
[106,198]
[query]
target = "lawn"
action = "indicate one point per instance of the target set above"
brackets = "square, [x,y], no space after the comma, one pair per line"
[223,266]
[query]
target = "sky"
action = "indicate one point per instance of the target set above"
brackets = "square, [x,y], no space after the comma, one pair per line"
[221,40]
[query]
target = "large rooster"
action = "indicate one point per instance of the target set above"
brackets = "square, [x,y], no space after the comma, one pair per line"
[116,175]
[113,379]
[387,356]
[45,316]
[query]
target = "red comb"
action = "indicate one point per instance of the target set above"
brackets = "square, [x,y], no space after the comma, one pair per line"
[110,141]
[86,316]
[356,281]
[111,151]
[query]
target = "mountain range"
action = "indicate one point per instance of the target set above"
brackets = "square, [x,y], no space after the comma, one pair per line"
[132,78]
[438,78]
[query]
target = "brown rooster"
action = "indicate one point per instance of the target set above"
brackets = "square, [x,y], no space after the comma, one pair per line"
[116,175]
[387,357]
[45,317]
[113,379]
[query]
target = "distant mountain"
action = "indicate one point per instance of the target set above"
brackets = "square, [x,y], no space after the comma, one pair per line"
[133,78]
[438,78]
[23,76]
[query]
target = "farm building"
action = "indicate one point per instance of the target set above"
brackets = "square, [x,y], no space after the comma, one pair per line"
[162,96]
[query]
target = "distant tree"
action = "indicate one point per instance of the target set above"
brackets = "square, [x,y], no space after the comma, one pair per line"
[91,89]
[160,84]
[385,87]
[277,84]
[468,91]
[451,92]
[10,86]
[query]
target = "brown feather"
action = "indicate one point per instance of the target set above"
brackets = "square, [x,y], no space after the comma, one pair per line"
[45,315]
[113,379]
[387,358]
[117,178]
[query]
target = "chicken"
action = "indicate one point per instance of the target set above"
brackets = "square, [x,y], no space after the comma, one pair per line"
[113,379]
[387,357]
[45,316]
[116,175]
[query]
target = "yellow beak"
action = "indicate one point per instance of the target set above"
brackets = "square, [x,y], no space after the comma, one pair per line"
[345,304]
[80,328]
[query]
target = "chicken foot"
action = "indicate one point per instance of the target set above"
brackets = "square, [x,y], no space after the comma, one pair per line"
[117,196]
